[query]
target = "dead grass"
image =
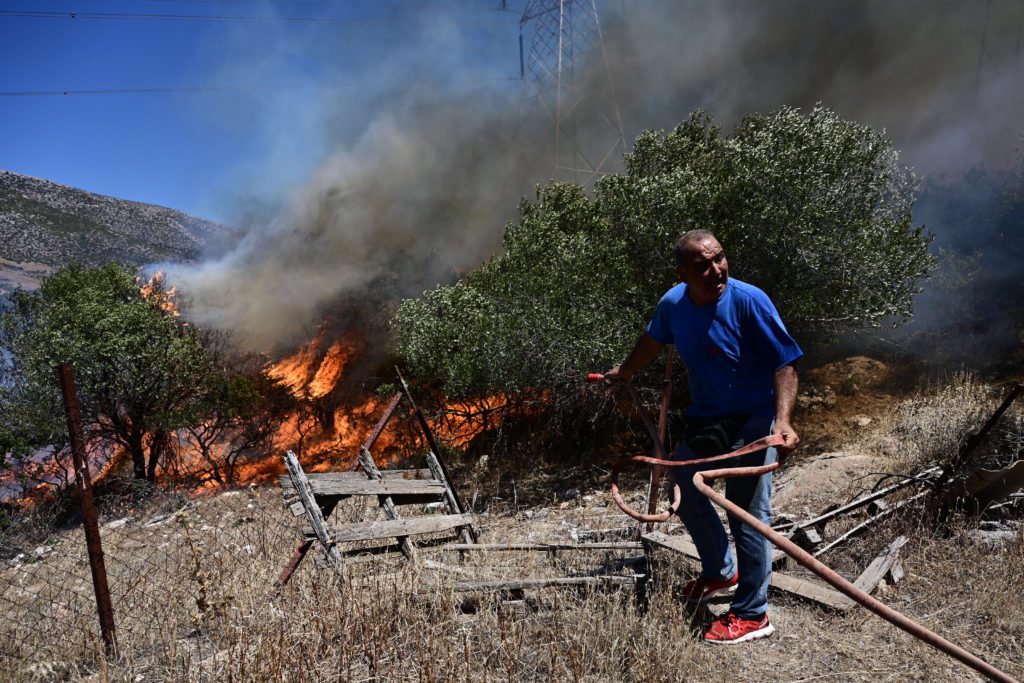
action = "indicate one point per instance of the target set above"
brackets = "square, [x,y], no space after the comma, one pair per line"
[189,587]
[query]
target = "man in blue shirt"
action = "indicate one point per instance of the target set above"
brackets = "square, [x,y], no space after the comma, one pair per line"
[739,361]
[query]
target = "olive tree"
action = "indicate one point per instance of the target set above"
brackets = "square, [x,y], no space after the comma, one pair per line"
[138,367]
[814,209]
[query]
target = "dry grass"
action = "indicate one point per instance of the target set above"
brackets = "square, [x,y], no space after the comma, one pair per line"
[189,599]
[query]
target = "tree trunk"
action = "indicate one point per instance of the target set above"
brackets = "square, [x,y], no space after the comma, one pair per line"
[157,446]
[138,454]
[323,409]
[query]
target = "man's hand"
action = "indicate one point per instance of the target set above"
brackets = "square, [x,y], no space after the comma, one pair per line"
[645,350]
[786,431]
[617,374]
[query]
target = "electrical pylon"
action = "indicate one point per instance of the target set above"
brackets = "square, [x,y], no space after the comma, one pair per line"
[1002,41]
[566,77]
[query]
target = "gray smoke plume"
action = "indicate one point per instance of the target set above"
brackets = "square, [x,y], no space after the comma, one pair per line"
[420,176]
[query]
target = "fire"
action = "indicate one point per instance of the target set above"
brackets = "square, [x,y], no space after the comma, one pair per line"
[331,367]
[311,375]
[295,370]
[153,290]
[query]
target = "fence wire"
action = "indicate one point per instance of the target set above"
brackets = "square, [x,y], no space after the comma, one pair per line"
[176,565]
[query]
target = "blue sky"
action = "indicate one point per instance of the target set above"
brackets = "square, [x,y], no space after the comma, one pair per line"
[945,83]
[200,152]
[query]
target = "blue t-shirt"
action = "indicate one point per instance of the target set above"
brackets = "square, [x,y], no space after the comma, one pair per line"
[732,348]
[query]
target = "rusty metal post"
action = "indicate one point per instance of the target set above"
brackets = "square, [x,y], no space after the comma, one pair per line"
[83,484]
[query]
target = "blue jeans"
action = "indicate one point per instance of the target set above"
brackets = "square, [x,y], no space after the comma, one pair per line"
[753,552]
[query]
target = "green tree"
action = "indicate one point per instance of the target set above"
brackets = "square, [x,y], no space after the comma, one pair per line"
[814,209]
[137,366]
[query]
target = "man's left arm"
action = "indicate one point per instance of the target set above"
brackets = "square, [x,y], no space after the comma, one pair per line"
[786,384]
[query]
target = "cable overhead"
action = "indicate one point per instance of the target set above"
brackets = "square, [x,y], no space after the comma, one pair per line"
[159,91]
[222,18]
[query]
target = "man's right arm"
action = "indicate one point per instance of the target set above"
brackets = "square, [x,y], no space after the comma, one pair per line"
[645,350]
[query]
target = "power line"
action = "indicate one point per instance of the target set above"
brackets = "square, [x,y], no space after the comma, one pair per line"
[134,16]
[193,89]
[159,91]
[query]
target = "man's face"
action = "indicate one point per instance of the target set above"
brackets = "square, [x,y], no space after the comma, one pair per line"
[704,270]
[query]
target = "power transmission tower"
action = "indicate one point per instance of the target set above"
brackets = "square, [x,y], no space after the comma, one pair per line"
[1002,41]
[567,80]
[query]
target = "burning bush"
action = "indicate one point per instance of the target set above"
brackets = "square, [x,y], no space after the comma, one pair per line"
[814,209]
[144,376]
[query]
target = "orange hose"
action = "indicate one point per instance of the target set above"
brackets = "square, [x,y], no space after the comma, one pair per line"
[807,560]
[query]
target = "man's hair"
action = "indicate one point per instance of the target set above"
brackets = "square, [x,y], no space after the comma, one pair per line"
[687,238]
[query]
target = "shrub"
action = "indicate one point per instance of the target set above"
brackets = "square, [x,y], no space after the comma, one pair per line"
[813,209]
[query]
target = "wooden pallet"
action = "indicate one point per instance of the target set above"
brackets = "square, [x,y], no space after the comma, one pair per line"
[315,495]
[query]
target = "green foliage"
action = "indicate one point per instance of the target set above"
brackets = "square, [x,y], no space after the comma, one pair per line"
[813,209]
[137,367]
[555,301]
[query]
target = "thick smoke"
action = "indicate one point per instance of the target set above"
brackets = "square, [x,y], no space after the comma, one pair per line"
[417,200]
[420,178]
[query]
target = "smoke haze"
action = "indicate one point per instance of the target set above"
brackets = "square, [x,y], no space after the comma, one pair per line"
[418,174]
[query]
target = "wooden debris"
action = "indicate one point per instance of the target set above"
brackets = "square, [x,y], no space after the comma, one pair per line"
[876,507]
[792,585]
[486,547]
[896,572]
[387,528]
[385,499]
[880,566]
[819,521]
[437,466]
[866,524]
[810,591]
[313,511]
[684,546]
[806,537]
[524,584]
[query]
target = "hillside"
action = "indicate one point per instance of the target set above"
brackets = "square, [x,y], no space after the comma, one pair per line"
[45,225]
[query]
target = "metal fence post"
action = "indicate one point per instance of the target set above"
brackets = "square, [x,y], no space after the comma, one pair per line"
[83,484]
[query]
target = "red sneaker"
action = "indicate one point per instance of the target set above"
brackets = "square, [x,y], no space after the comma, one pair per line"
[730,629]
[701,589]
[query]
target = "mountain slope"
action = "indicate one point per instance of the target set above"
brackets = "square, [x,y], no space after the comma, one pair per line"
[45,225]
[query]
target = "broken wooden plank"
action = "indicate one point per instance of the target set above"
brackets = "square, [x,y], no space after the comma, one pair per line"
[896,572]
[524,584]
[313,511]
[779,581]
[880,566]
[385,500]
[866,524]
[806,537]
[498,547]
[813,592]
[413,475]
[376,487]
[921,477]
[386,528]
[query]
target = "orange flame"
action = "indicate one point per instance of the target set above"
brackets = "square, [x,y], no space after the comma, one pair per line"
[153,290]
